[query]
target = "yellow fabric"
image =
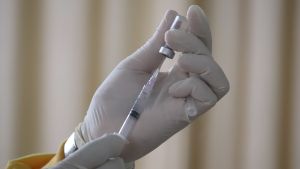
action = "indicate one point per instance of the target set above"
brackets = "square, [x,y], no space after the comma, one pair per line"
[37,161]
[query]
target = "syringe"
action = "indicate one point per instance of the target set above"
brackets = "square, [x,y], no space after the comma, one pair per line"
[138,107]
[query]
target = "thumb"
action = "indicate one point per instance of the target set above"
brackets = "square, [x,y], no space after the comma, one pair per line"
[147,57]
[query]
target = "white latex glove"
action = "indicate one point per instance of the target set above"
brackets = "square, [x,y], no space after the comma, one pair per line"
[101,153]
[164,115]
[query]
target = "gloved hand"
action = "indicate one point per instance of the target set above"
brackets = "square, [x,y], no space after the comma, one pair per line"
[164,114]
[101,153]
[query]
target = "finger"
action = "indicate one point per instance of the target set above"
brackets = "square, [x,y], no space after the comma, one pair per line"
[199,25]
[204,97]
[208,70]
[116,163]
[186,42]
[97,152]
[147,57]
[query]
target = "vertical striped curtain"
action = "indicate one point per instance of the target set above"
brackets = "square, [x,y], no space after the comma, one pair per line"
[54,54]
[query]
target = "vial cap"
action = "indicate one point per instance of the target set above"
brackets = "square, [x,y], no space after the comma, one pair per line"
[166,51]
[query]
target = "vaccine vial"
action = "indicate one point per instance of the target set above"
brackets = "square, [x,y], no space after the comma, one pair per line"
[179,23]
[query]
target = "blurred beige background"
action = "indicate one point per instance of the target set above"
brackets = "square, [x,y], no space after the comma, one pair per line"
[54,54]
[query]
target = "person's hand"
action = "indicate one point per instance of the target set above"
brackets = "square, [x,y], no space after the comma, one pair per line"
[164,115]
[101,153]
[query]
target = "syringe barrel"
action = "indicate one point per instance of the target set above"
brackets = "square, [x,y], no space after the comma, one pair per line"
[139,105]
[129,124]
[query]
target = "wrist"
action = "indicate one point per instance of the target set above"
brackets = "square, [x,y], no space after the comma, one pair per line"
[70,145]
[74,142]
